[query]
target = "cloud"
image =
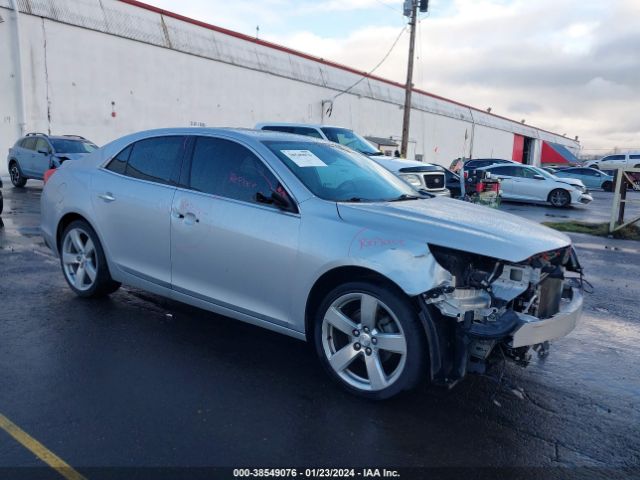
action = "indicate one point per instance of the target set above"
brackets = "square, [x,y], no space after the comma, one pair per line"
[564,65]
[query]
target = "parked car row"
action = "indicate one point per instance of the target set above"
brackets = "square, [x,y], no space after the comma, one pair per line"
[524,183]
[312,239]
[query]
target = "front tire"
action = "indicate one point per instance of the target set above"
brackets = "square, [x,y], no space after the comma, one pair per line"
[17,178]
[370,340]
[559,198]
[83,262]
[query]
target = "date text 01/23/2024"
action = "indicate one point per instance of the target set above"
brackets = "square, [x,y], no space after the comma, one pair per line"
[316,472]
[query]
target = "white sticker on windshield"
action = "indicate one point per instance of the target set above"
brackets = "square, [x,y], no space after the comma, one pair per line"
[304,158]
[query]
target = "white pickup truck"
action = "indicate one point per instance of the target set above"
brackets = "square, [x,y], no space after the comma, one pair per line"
[614,162]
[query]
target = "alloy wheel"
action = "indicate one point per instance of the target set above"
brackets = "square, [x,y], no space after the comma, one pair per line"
[79,259]
[364,342]
[14,172]
[558,198]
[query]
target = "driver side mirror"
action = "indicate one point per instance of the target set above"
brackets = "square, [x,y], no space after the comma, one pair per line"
[275,199]
[538,177]
[43,152]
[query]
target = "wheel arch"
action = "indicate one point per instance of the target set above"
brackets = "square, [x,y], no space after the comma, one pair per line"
[330,279]
[66,220]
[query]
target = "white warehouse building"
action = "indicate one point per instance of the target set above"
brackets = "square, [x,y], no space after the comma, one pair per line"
[105,68]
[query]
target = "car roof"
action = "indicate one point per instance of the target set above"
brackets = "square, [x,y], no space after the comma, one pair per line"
[246,134]
[293,124]
[495,160]
[514,164]
[72,138]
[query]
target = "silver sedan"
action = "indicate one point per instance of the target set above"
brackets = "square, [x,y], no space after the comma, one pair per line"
[313,240]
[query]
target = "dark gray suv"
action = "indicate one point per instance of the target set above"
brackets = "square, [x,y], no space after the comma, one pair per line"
[35,153]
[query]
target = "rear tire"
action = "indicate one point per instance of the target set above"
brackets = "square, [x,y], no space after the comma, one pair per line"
[559,198]
[83,262]
[607,186]
[17,178]
[374,355]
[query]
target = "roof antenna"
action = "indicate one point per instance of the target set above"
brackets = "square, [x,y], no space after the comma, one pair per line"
[257,32]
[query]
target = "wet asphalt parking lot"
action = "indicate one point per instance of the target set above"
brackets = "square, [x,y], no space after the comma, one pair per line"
[139,381]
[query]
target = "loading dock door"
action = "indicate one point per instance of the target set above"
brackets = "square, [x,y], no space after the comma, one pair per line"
[518,148]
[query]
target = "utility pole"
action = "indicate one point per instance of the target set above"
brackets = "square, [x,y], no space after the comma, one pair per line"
[411,8]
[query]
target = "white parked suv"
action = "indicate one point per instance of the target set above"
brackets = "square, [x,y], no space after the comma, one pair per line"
[613,162]
[420,175]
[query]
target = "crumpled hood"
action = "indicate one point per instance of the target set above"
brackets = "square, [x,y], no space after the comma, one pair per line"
[71,156]
[572,181]
[456,224]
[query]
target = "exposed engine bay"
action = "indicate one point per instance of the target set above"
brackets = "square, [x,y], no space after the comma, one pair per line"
[492,308]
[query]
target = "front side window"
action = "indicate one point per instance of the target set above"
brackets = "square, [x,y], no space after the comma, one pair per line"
[156,159]
[613,158]
[335,173]
[634,157]
[350,139]
[42,145]
[227,169]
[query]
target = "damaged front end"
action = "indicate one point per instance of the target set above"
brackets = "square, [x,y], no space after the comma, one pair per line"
[491,307]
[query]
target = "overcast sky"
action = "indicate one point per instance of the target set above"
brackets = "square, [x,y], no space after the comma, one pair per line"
[570,66]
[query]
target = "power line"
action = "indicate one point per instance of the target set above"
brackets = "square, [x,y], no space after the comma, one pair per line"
[395,9]
[395,42]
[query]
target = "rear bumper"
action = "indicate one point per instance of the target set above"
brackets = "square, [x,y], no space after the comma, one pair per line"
[533,330]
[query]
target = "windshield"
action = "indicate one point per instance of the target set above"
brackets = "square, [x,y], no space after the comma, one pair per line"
[350,139]
[338,174]
[544,173]
[72,146]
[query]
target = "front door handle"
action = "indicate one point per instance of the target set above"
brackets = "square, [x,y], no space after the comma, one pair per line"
[107,197]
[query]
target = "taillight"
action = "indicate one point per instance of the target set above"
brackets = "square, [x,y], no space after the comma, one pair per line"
[466,174]
[47,174]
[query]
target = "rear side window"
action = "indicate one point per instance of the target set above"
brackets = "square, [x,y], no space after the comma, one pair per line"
[156,159]
[306,131]
[119,163]
[29,143]
[507,170]
[228,169]
[278,128]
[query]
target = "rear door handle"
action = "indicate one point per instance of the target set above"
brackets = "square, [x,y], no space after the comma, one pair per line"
[107,197]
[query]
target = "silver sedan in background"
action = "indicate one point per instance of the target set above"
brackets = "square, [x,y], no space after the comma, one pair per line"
[313,240]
